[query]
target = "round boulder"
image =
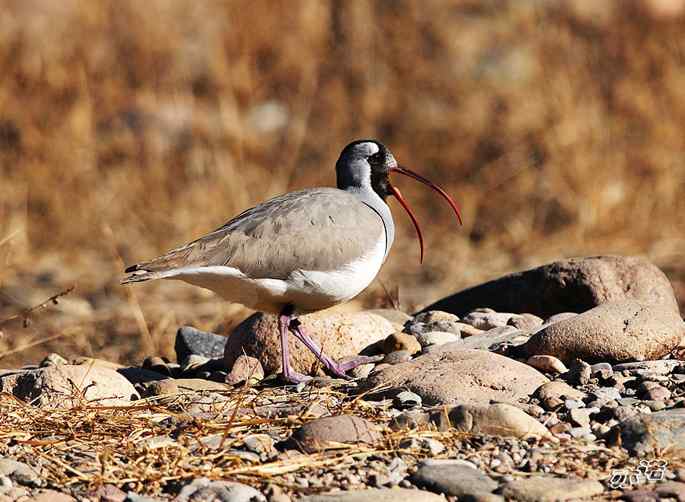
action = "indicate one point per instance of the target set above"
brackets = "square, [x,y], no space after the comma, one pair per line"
[461,376]
[339,335]
[614,331]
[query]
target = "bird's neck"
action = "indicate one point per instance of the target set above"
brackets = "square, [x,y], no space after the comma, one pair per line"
[369,197]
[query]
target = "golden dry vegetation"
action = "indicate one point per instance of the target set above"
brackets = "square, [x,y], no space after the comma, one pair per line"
[129,127]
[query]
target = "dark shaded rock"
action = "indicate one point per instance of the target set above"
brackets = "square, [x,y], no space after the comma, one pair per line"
[453,477]
[193,341]
[573,285]
[323,433]
[640,496]
[140,375]
[652,391]
[646,433]
[158,364]
[579,373]
[614,331]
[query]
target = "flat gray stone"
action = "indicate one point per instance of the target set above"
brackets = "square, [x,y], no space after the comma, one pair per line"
[487,320]
[457,478]
[605,394]
[205,490]
[436,338]
[647,433]
[492,337]
[659,366]
[192,341]
[20,472]
[374,495]
[549,489]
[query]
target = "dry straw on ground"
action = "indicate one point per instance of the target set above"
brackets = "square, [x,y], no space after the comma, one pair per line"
[153,444]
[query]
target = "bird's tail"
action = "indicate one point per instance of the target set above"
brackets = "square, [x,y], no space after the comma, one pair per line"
[135,273]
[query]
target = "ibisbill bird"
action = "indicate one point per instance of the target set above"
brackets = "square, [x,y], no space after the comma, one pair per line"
[302,251]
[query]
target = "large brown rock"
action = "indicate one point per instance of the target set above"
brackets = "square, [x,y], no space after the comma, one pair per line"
[573,285]
[615,332]
[339,335]
[70,385]
[461,376]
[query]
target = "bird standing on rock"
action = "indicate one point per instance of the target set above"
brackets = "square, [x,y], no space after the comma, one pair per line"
[302,251]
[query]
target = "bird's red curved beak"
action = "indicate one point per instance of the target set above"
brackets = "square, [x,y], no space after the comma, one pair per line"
[398,195]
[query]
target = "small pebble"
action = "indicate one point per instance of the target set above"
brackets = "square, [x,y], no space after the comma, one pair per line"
[602,371]
[579,373]
[404,342]
[397,357]
[362,371]
[525,322]
[406,400]
[436,338]
[158,364]
[572,404]
[53,359]
[548,364]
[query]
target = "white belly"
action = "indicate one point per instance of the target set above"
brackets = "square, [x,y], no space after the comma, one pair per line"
[307,290]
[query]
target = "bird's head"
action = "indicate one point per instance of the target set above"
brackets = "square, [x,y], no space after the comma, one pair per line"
[368,164]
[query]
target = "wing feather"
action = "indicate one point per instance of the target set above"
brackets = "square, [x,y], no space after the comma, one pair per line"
[315,229]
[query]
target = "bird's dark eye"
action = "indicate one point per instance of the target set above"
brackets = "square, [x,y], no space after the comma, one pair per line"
[376,157]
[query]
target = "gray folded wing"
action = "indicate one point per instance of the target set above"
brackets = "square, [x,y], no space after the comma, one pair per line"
[317,229]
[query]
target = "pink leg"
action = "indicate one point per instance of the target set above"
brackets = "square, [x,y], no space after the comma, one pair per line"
[338,369]
[288,373]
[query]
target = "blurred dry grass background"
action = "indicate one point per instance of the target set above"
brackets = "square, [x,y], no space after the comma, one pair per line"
[129,127]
